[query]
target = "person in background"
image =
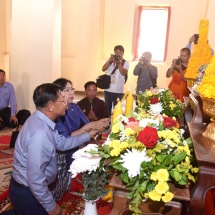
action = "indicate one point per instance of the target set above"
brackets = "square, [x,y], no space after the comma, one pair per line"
[194,39]
[35,159]
[178,84]
[8,115]
[146,72]
[7,98]
[74,122]
[117,68]
[93,107]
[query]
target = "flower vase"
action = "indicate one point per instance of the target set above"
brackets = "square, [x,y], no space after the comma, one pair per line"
[209,110]
[90,207]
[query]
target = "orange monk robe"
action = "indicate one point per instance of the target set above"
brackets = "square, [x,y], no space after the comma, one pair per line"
[178,86]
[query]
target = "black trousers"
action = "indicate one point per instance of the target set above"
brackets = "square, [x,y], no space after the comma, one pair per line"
[5,115]
[23,201]
[111,99]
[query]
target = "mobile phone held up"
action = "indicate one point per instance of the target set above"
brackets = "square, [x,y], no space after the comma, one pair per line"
[196,38]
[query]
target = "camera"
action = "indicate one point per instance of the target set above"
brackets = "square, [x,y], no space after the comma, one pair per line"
[196,37]
[116,57]
[144,60]
[178,61]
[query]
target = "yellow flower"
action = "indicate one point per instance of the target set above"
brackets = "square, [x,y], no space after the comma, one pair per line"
[149,93]
[154,195]
[167,197]
[184,149]
[154,176]
[207,86]
[115,128]
[162,187]
[202,53]
[162,175]
[172,105]
[115,152]
[194,169]
[114,144]
[190,177]
[123,145]
[129,131]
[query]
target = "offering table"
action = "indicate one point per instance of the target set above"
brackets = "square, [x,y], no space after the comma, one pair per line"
[177,206]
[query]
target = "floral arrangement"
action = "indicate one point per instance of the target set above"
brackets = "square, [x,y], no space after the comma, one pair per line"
[95,174]
[202,52]
[207,86]
[160,101]
[160,152]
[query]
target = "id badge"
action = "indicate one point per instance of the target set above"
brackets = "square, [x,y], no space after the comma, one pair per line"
[113,79]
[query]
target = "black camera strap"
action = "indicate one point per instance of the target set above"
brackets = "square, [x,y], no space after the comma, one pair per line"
[116,67]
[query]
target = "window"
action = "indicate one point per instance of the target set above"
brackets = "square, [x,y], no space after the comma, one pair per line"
[152,32]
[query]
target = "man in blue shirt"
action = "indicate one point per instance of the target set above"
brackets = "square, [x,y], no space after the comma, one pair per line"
[7,98]
[35,160]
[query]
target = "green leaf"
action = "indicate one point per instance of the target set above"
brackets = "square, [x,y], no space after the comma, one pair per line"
[179,157]
[160,158]
[168,160]
[156,168]
[113,135]
[143,185]
[146,165]
[183,181]
[177,176]
[142,173]
[124,177]
[150,186]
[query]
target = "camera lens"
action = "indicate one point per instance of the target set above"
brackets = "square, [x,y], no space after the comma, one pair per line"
[116,57]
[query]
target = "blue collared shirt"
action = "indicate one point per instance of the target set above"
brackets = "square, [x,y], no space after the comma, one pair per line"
[8,97]
[35,161]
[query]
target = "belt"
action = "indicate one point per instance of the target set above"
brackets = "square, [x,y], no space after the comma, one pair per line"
[18,184]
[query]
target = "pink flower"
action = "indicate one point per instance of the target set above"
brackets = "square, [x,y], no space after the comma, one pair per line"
[134,125]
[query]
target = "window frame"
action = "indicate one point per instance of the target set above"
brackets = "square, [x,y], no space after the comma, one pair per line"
[140,9]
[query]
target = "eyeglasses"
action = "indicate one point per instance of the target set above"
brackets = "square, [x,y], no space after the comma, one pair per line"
[64,102]
[69,89]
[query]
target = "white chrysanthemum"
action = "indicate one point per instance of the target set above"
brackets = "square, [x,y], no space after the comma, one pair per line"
[182,131]
[84,152]
[135,113]
[161,90]
[122,135]
[128,159]
[107,141]
[156,108]
[123,118]
[84,164]
[144,122]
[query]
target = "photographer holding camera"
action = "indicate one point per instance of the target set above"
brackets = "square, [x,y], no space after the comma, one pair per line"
[117,68]
[178,84]
[147,73]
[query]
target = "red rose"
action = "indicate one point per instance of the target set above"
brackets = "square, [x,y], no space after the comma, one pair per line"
[131,119]
[169,122]
[154,100]
[148,136]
